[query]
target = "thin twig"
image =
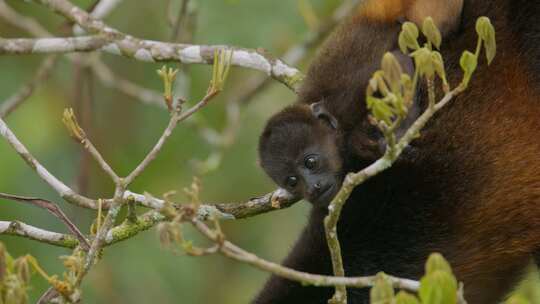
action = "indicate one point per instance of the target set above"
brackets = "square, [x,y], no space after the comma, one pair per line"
[64,191]
[176,117]
[146,50]
[53,238]
[54,45]
[232,251]
[54,210]
[104,74]
[99,240]
[100,160]
[279,199]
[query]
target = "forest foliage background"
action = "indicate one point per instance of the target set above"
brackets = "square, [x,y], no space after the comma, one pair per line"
[123,129]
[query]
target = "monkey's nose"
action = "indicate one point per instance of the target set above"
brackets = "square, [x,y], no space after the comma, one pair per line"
[317,188]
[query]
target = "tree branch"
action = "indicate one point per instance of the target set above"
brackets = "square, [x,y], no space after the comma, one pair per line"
[147,50]
[279,199]
[64,191]
[232,251]
[102,71]
[54,210]
[21,229]
[19,46]
[176,117]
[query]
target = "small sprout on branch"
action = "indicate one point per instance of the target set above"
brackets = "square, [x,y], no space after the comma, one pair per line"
[468,63]
[70,121]
[222,65]
[193,191]
[438,65]
[408,37]
[486,38]
[22,268]
[389,95]
[392,71]
[382,292]
[169,233]
[168,76]
[438,284]
[15,277]
[432,33]
[424,62]
[405,298]
[486,33]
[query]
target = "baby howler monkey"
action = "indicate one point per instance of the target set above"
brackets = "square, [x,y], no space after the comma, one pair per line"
[468,187]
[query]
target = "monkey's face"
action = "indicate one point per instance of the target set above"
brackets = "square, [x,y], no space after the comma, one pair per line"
[301,154]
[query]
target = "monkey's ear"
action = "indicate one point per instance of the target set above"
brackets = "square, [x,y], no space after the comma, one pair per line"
[445,13]
[319,111]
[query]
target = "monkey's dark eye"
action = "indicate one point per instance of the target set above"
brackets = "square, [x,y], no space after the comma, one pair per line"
[311,162]
[291,181]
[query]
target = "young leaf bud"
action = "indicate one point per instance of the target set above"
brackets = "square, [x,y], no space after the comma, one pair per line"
[70,121]
[468,63]
[22,269]
[408,37]
[438,65]
[405,298]
[486,32]
[423,62]
[382,292]
[438,287]
[431,32]
[436,262]
[392,71]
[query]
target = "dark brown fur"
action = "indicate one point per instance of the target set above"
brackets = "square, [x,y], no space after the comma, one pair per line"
[471,189]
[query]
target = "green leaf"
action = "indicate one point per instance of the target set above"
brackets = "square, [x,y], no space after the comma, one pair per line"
[392,71]
[438,64]
[436,262]
[486,32]
[423,62]
[482,25]
[405,298]
[382,292]
[408,37]
[439,287]
[468,63]
[380,110]
[431,32]
[402,42]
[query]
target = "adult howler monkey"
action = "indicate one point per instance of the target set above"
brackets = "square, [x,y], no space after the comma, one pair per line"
[469,187]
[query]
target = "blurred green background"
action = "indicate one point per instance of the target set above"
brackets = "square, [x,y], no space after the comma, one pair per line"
[123,129]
